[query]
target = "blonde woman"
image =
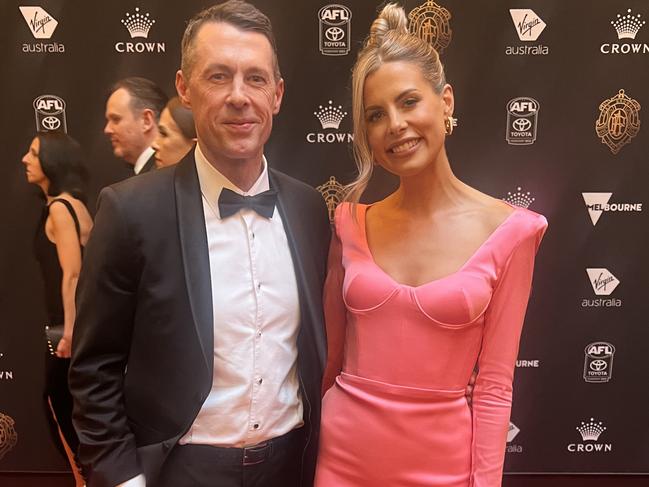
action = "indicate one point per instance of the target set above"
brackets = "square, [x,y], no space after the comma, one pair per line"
[424,287]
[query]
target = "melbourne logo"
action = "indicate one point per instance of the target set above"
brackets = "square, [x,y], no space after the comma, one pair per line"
[333,193]
[8,435]
[329,117]
[598,364]
[626,27]
[512,433]
[526,364]
[335,30]
[519,198]
[598,203]
[138,25]
[522,119]
[430,22]
[528,27]
[50,114]
[618,121]
[590,433]
[42,26]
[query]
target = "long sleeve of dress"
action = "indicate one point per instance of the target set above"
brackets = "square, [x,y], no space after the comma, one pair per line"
[335,314]
[492,395]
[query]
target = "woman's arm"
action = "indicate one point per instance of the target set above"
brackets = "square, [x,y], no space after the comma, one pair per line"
[492,395]
[68,250]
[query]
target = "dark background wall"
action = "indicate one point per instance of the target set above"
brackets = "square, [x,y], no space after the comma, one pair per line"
[569,78]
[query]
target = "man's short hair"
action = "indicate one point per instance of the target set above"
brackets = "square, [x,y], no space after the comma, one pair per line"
[237,13]
[144,94]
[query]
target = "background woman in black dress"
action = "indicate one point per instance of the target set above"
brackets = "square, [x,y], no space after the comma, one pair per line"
[54,163]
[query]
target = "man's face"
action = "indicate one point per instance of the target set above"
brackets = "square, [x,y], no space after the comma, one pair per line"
[232,92]
[125,128]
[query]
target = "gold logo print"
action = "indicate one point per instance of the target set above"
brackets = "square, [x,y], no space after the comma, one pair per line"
[333,193]
[8,435]
[430,22]
[618,122]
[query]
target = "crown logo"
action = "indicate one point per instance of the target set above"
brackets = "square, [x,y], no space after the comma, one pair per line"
[627,26]
[524,200]
[591,431]
[330,116]
[138,24]
[333,193]
[430,22]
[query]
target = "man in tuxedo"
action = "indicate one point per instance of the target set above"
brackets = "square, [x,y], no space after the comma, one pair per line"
[199,344]
[132,114]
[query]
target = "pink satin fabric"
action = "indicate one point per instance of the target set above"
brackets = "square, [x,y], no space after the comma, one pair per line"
[400,357]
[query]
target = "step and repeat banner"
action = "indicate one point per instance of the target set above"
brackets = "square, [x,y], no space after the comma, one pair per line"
[550,97]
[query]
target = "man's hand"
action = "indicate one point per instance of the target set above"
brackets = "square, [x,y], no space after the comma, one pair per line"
[469,388]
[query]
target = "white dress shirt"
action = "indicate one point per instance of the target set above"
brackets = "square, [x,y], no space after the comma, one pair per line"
[141,161]
[255,389]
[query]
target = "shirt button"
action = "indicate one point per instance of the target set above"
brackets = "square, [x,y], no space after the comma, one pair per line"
[260,380]
[256,425]
[258,333]
[258,285]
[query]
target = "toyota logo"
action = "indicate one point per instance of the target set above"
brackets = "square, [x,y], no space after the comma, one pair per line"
[334,33]
[51,123]
[521,124]
[598,365]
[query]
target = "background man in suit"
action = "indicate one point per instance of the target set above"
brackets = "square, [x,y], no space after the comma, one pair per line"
[132,115]
[199,345]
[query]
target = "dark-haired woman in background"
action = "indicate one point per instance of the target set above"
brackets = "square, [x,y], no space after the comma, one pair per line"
[54,163]
[176,134]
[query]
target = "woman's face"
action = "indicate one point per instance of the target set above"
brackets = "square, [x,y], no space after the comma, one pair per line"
[171,145]
[33,169]
[405,118]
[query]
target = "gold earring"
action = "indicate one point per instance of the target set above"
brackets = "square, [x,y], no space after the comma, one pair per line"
[449,123]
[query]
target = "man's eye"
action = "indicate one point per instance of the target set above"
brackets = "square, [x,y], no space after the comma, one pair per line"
[257,79]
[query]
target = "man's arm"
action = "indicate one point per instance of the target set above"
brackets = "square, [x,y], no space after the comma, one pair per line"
[106,299]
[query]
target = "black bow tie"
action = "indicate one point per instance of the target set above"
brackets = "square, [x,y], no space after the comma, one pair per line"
[231,202]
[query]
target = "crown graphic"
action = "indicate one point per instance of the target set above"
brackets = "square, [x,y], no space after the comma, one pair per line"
[590,431]
[330,116]
[524,200]
[138,24]
[627,26]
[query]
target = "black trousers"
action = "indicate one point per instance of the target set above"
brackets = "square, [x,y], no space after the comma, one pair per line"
[275,463]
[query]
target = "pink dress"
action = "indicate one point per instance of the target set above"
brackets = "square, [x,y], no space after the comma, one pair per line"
[400,357]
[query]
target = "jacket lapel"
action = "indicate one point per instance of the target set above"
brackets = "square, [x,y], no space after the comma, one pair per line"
[195,255]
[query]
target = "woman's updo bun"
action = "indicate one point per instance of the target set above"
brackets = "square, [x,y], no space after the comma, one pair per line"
[392,19]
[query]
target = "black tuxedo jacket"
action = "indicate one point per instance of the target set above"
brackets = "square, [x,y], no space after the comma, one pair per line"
[143,340]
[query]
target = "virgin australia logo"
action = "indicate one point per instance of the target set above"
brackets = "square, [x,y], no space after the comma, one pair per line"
[330,116]
[512,433]
[528,27]
[42,26]
[138,25]
[603,283]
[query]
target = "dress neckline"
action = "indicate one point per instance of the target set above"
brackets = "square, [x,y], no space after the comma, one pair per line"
[472,257]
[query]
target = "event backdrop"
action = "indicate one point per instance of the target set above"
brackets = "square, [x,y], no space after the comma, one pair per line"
[549,96]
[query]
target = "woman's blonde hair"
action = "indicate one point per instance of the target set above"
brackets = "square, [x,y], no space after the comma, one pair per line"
[388,41]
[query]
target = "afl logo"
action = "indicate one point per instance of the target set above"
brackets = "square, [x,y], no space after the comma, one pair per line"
[522,116]
[335,30]
[598,365]
[50,113]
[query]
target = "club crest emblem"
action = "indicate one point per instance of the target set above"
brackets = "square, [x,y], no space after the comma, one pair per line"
[618,122]
[333,193]
[430,22]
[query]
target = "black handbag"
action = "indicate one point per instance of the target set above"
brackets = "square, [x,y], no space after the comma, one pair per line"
[53,335]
